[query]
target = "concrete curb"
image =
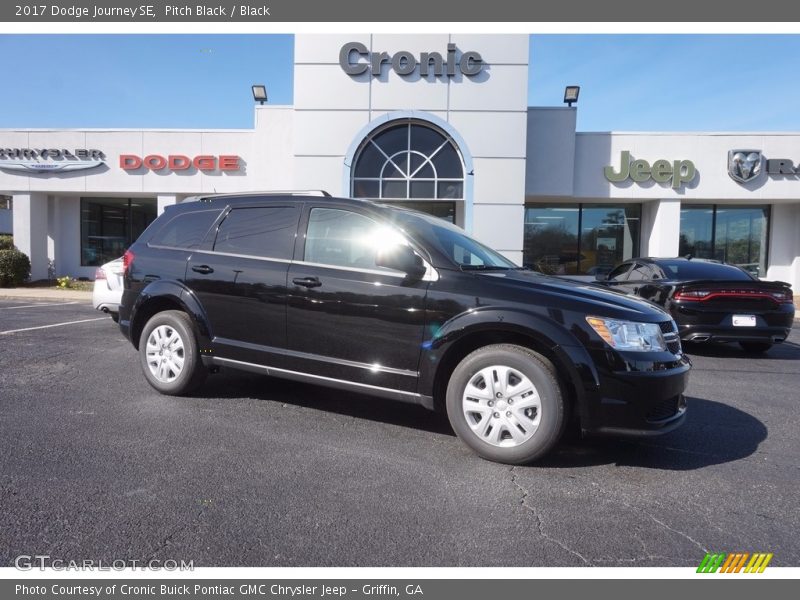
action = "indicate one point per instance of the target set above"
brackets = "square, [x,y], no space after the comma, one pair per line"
[43,294]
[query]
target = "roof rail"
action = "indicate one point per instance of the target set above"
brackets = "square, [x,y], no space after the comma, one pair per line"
[209,197]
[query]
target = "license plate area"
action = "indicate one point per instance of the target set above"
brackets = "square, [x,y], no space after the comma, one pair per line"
[744,320]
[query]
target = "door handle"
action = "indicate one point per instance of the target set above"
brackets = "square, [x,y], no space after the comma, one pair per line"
[309,282]
[204,269]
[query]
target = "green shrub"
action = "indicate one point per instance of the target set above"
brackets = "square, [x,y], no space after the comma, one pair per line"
[15,267]
[6,242]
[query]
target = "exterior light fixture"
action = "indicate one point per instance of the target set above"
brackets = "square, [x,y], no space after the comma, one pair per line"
[260,93]
[571,93]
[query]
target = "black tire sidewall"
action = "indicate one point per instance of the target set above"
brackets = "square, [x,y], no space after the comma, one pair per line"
[187,380]
[542,375]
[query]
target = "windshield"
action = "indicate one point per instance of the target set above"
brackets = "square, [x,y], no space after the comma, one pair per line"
[452,241]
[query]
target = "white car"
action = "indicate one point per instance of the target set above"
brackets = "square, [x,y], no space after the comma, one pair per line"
[107,293]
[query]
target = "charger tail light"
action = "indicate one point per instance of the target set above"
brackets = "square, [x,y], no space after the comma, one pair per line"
[691,295]
[783,296]
[127,261]
[779,296]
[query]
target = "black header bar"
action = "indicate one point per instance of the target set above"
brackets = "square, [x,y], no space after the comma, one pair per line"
[361,11]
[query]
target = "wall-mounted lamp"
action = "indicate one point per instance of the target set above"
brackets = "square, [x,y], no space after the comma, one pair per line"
[571,93]
[260,93]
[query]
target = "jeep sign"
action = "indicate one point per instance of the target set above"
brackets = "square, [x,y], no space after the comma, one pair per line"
[676,172]
[356,59]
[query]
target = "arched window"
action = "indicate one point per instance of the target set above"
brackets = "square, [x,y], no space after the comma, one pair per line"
[408,160]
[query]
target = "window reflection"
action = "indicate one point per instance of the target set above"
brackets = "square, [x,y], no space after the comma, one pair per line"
[110,225]
[580,239]
[732,234]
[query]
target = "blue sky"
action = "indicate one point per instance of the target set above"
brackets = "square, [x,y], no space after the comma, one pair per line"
[628,82]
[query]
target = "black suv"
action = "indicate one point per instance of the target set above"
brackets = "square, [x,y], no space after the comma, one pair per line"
[395,303]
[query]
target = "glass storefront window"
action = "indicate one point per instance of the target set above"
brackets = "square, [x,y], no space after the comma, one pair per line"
[110,225]
[551,239]
[580,239]
[732,234]
[697,229]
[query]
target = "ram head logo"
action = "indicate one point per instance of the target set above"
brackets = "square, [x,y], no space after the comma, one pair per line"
[744,165]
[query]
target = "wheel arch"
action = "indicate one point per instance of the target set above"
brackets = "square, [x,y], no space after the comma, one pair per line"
[168,295]
[454,341]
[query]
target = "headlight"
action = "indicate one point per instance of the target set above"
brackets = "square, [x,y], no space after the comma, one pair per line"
[629,335]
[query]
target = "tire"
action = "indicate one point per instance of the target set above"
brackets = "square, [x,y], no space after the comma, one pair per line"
[160,357]
[755,347]
[114,317]
[497,429]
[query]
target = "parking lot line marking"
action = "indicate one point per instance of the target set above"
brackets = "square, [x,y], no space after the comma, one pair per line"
[53,325]
[38,305]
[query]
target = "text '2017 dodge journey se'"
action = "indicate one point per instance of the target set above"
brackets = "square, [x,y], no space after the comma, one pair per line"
[395,303]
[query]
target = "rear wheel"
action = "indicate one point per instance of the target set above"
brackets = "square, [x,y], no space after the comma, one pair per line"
[505,402]
[755,347]
[169,354]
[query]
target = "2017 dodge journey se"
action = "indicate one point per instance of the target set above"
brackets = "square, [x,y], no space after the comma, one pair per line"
[395,303]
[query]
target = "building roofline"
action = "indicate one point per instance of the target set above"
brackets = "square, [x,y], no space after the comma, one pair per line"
[694,133]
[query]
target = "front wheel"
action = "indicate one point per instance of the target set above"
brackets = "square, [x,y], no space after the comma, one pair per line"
[169,354]
[505,402]
[755,347]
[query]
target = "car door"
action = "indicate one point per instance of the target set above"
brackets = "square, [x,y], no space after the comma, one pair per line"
[240,280]
[347,318]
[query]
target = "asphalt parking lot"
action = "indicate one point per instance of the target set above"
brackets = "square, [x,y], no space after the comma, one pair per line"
[260,472]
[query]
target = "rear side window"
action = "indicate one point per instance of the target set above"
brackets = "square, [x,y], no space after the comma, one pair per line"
[186,230]
[640,273]
[266,232]
[620,273]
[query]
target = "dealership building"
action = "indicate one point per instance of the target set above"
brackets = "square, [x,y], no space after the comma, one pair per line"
[437,122]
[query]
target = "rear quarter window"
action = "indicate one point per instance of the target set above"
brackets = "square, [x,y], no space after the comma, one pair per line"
[185,230]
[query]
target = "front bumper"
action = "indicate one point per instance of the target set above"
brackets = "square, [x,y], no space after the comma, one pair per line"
[637,397]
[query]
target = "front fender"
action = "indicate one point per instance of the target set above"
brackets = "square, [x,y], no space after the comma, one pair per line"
[573,361]
[160,293]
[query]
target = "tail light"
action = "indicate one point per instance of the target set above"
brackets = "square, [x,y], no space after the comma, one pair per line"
[99,274]
[783,296]
[127,261]
[779,296]
[691,295]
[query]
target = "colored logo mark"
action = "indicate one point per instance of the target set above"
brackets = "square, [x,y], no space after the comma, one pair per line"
[735,562]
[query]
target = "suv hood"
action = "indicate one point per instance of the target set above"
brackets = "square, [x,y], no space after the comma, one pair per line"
[593,298]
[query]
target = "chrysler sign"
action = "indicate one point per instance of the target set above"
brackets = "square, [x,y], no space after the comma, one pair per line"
[45,160]
[356,59]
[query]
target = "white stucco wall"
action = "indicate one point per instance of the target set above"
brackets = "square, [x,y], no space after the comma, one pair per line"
[488,111]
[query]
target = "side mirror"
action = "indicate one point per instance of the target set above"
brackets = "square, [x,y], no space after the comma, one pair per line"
[401,258]
[601,277]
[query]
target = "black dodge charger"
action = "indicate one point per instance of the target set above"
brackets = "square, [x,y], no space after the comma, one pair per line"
[710,301]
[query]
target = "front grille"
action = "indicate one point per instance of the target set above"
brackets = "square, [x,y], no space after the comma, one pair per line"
[667,326]
[670,329]
[664,409]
